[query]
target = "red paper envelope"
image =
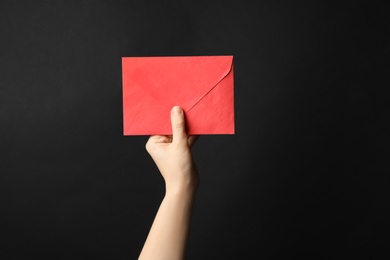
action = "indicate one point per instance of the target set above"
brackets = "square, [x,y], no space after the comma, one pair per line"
[201,85]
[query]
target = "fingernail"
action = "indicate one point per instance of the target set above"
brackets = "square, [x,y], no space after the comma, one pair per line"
[176,110]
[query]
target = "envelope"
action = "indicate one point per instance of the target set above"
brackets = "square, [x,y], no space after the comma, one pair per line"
[203,86]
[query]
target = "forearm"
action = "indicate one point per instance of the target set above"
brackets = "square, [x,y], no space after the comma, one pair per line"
[168,235]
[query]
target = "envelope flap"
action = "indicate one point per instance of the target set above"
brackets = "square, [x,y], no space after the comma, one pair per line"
[179,81]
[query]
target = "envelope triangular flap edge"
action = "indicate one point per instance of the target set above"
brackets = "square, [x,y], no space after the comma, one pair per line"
[227,68]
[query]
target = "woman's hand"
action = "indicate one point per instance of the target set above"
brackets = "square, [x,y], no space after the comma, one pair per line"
[172,155]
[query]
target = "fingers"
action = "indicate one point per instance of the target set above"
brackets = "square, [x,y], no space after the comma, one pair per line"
[168,139]
[179,134]
[157,139]
[178,125]
[160,139]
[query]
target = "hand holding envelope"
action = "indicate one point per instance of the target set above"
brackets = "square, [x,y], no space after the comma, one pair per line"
[203,86]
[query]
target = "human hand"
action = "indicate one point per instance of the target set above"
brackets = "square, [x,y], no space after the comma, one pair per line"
[172,155]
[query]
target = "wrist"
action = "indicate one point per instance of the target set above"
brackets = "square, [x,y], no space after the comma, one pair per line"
[182,188]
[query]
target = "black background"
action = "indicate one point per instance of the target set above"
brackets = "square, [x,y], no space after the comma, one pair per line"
[306,174]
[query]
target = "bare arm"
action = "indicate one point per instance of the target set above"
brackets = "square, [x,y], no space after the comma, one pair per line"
[168,235]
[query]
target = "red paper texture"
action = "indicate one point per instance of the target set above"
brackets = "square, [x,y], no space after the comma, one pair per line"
[203,86]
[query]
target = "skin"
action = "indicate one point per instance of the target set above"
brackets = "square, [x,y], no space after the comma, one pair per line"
[168,235]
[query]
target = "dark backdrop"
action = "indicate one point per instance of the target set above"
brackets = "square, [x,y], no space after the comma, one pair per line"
[306,174]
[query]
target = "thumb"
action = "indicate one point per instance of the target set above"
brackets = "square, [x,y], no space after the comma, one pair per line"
[178,125]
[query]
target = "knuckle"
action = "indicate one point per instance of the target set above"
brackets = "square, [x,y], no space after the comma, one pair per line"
[148,147]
